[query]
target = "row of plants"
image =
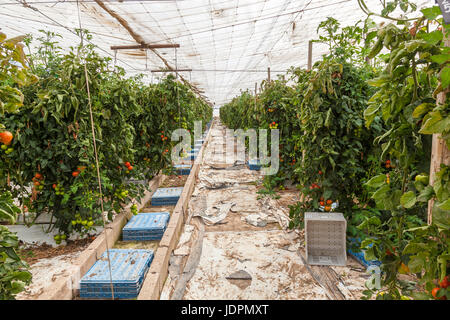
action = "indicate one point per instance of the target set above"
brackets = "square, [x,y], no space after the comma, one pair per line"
[14,274]
[47,156]
[356,133]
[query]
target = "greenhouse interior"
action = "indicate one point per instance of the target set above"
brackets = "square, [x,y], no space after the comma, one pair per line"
[224,150]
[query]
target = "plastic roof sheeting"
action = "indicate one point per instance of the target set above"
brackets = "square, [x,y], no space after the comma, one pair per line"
[228,44]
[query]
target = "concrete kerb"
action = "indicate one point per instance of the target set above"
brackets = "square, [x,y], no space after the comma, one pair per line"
[156,276]
[67,288]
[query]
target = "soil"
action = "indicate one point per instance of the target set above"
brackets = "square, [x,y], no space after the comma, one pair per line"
[35,253]
[174,181]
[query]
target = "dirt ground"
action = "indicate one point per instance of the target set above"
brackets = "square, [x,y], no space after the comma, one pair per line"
[34,254]
[174,181]
[243,248]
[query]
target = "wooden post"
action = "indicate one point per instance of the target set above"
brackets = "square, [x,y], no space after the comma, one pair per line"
[440,154]
[268,74]
[310,47]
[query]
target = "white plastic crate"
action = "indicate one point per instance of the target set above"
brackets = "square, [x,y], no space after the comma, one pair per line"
[325,235]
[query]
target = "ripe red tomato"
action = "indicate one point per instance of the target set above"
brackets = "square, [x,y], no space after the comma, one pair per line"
[54,186]
[327,208]
[127,164]
[320,172]
[6,137]
[37,183]
[38,176]
[435,292]
[329,201]
[444,283]
[130,168]
[322,203]
[75,173]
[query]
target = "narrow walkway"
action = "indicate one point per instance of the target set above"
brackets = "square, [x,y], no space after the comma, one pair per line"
[236,244]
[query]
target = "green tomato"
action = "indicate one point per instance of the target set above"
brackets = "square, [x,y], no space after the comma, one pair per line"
[57,237]
[10,150]
[74,222]
[90,223]
[84,222]
[4,147]
[63,237]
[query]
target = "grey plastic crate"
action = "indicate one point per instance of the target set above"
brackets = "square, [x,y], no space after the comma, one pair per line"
[325,235]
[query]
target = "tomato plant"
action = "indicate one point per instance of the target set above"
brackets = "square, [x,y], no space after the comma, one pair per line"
[13,271]
[53,135]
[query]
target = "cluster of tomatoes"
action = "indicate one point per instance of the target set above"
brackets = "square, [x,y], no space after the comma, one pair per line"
[129,166]
[38,181]
[58,189]
[314,186]
[163,137]
[77,172]
[59,237]
[326,204]
[85,223]
[6,138]
[443,285]
[121,194]
[273,125]
[134,209]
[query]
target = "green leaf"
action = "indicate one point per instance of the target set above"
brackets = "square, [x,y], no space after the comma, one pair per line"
[432,37]
[440,58]
[431,13]
[445,77]
[444,205]
[420,110]
[376,181]
[408,199]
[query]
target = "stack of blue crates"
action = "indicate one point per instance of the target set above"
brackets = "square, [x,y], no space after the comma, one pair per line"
[128,269]
[166,196]
[183,169]
[360,255]
[254,164]
[148,226]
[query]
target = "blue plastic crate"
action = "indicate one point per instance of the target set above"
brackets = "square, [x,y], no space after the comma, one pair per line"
[360,255]
[254,165]
[128,269]
[166,196]
[183,169]
[146,226]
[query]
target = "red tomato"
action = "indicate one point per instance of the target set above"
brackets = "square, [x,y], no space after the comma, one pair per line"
[127,164]
[435,292]
[75,173]
[38,176]
[130,168]
[329,201]
[444,283]
[6,137]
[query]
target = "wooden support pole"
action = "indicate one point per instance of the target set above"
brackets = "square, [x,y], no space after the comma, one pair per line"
[310,47]
[440,154]
[146,46]
[268,74]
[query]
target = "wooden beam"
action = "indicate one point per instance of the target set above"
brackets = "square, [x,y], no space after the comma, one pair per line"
[147,46]
[268,74]
[440,154]
[310,47]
